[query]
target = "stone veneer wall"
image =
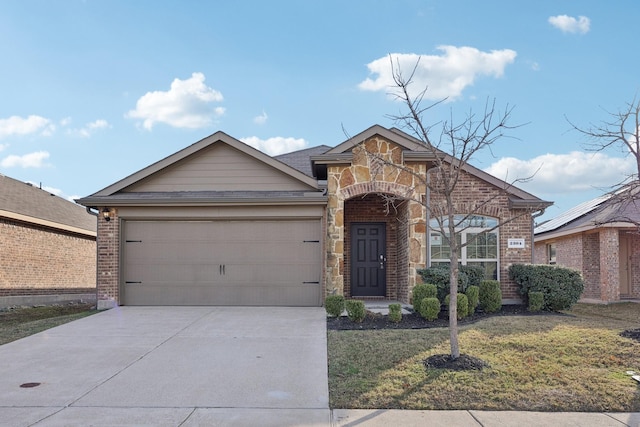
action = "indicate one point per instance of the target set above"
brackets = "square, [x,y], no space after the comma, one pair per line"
[368,175]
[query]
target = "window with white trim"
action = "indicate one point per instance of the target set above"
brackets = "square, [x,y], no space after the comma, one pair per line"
[479,236]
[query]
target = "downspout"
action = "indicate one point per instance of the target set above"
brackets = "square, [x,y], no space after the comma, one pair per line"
[533,217]
[89,211]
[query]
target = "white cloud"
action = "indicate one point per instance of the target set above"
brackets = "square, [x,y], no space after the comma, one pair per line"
[16,125]
[90,128]
[564,173]
[276,145]
[187,104]
[446,75]
[3,146]
[65,122]
[569,24]
[31,160]
[261,119]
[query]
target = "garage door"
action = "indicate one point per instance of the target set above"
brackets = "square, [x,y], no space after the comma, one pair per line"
[222,263]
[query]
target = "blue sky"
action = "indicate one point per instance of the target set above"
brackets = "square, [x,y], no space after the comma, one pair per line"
[94,90]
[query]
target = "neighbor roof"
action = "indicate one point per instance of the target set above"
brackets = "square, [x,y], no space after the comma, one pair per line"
[612,209]
[24,202]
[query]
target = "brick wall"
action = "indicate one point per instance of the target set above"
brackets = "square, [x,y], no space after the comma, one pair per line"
[38,260]
[108,258]
[635,264]
[475,195]
[590,265]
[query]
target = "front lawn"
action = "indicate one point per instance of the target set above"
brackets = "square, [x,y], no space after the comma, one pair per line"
[21,322]
[537,363]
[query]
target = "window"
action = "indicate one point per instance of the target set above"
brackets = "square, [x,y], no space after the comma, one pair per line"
[551,253]
[481,245]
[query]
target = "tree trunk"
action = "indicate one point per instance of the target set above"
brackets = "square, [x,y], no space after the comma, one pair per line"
[453,288]
[453,308]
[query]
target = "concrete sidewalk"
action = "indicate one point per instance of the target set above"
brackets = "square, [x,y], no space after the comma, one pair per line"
[392,417]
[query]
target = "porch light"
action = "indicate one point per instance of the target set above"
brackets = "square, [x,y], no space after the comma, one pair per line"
[106,214]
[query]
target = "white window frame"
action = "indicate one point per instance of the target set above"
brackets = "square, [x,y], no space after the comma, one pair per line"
[463,232]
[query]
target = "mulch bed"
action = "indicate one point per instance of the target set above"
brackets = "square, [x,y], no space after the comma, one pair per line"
[415,321]
[634,334]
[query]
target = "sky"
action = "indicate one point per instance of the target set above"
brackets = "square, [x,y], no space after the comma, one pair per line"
[92,91]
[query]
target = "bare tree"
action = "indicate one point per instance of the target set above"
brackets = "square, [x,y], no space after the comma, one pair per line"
[452,149]
[620,133]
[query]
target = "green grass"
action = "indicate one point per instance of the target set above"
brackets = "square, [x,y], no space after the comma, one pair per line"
[538,363]
[22,322]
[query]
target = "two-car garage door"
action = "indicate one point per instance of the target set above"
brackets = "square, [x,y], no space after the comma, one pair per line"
[243,262]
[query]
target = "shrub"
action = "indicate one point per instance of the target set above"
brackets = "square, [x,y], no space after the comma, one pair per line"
[439,276]
[474,274]
[421,292]
[334,305]
[462,305]
[355,310]
[473,294]
[490,296]
[395,312]
[430,308]
[536,301]
[560,286]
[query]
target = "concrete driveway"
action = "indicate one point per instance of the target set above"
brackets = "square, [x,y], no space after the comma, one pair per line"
[171,366]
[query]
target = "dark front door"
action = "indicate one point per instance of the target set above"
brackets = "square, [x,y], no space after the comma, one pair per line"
[368,259]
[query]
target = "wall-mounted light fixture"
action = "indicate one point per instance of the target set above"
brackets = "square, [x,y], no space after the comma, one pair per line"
[106,214]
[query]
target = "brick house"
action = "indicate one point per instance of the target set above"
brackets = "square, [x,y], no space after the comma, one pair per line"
[600,239]
[47,247]
[221,223]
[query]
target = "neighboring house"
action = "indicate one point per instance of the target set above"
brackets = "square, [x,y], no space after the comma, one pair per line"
[47,247]
[221,223]
[599,238]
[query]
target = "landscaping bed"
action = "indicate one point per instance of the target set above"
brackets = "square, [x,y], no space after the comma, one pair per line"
[415,321]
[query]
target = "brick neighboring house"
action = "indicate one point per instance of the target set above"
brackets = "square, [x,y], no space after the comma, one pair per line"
[599,239]
[47,247]
[220,223]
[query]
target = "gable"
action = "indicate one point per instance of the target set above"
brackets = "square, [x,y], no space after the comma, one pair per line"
[218,167]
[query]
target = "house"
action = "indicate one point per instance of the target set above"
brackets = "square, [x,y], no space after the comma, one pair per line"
[600,239]
[221,223]
[47,247]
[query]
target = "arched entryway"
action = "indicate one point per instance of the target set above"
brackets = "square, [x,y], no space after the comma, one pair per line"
[376,247]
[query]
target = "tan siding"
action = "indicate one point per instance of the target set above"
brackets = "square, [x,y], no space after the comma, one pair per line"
[219,168]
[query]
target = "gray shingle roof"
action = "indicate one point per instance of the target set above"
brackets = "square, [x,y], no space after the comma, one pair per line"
[24,199]
[301,160]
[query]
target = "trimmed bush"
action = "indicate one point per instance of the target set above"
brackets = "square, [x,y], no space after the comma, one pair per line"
[430,308]
[462,305]
[475,274]
[355,310]
[490,296]
[395,312]
[536,301]
[560,286]
[439,276]
[473,294]
[419,293]
[334,305]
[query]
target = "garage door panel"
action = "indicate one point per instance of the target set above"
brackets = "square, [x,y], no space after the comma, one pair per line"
[222,262]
